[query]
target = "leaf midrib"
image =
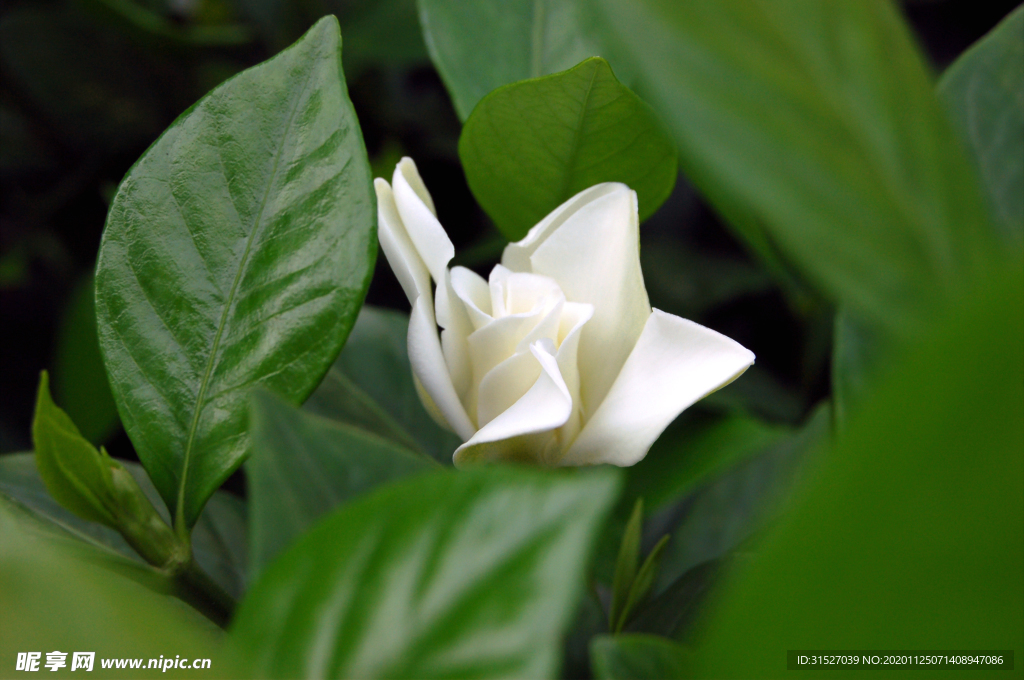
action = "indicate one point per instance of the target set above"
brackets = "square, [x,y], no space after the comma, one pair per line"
[537,55]
[179,513]
[574,148]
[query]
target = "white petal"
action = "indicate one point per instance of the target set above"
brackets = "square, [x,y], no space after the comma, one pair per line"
[499,340]
[517,255]
[472,289]
[574,316]
[496,283]
[524,291]
[521,431]
[411,173]
[432,410]
[505,384]
[674,364]
[427,234]
[595,257]
[398,248]
[429,365]
[454,338]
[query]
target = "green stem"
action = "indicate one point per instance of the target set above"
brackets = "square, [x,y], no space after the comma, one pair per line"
[194,586]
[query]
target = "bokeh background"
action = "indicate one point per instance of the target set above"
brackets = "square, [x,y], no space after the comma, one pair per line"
[87,85]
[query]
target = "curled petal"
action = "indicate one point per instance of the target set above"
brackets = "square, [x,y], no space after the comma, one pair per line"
[594,255]
[522,430]
[517,255]
[472,290]
[674,364]
[454,339]
[429,365]
[427,234]
[402,255]
[575,315]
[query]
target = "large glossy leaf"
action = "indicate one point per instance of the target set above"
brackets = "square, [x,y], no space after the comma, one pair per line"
[480,45]
[923,494]
[474,574]
[236,253]
[52,597]
[530,146]
[218,540]
[984,92]
[815,121]
[370,386]
[636,657]
[304,466]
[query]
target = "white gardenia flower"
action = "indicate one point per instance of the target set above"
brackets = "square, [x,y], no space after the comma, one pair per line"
[558,357]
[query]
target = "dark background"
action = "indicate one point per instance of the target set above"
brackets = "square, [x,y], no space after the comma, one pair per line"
[86,86]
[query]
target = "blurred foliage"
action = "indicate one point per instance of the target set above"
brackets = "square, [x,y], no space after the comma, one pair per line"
[911,534]
[982,91]
[67,600]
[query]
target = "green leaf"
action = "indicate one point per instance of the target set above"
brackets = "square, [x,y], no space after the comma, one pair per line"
[375,360]
[625,565]
[481,45]
[923,494]
[20,481]
[304,466]
[858,352]
[817,123]
[984,92]
[642,584]
[730,508]
[237,252]
[475,574]
[694,450]
[636,657]
[218,540]
[75,473]
[670,613]
[61,600]
[339,399]
[79,379]
[530,146]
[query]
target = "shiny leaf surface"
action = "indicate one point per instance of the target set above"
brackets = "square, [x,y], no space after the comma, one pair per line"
[470,574]
[237,252]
